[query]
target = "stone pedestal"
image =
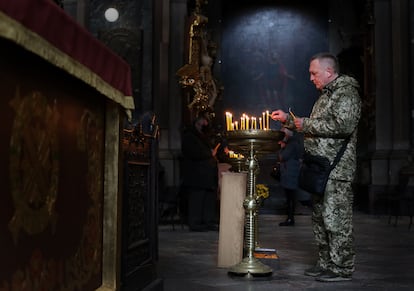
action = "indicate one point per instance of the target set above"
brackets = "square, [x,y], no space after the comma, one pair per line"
[233,193]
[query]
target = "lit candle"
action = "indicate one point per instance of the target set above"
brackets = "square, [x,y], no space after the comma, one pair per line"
[260,123]
[228,121]
[267,119]
[254,125]
[242,124]
[264,121]
[236,125]
[247,122]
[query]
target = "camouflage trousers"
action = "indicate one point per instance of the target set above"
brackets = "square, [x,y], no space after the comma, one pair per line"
[333,229]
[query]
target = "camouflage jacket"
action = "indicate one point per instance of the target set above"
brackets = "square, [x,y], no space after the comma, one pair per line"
[335,116]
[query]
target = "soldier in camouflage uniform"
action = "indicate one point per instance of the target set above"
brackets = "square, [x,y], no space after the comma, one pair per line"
[335,116]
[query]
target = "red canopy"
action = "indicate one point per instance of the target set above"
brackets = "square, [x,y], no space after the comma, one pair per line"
[53,24]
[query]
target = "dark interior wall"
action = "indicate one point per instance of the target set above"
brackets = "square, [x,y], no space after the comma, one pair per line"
[411,11]
[131,38]
[265,48]
[263,56]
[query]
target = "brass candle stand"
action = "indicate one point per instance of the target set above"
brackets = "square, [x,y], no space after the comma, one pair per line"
[252,143]
[237,164]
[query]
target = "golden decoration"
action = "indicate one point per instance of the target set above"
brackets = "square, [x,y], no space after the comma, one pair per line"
[197,74]
[262,191]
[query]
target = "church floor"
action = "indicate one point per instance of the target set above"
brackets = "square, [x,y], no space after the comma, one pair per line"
[384,257]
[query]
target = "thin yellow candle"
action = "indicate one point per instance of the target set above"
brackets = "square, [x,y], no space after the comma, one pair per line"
[247,122]
[242,124]
[260,123]
[236,125]
[228,121]
[267,119]
[264,121]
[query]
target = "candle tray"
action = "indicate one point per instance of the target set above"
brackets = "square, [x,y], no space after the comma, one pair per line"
[262,141]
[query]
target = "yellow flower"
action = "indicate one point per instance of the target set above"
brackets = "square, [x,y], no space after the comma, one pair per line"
[262,191]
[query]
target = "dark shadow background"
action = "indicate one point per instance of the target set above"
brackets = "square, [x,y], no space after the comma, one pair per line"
[265,53]
[265,47]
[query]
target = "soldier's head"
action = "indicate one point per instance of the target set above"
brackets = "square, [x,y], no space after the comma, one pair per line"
[323,69]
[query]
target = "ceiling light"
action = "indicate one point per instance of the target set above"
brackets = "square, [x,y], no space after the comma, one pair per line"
[111,14]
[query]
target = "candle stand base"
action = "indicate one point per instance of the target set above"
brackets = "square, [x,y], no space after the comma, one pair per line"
[250,266]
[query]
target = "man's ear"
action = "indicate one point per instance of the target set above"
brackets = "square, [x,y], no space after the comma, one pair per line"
[329,71]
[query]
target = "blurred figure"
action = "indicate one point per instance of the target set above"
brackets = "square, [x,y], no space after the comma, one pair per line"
[200,176]
[290,153]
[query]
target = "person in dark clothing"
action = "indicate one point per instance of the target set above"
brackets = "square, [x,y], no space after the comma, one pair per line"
[290,154]
[200,177]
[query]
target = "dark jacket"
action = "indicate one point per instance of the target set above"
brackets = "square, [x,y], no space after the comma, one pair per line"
[289,158]
[199,167]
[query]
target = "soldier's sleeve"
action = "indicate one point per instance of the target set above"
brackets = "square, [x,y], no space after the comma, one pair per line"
[339,119]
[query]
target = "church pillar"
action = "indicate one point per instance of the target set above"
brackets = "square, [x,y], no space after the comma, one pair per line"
[173,14]
[401,113]
[392,107]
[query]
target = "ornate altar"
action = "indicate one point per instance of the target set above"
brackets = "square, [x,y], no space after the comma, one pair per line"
[140,205]
[61,135]
[196,76]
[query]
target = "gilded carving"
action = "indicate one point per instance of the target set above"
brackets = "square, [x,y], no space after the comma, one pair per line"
[197,74]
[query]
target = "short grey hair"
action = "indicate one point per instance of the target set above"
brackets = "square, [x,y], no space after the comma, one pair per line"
[331,59]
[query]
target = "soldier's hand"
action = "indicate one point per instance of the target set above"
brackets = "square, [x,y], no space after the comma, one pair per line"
[298,123]
[279,115]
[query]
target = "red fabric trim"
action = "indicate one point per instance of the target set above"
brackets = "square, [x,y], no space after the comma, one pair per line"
[52,23]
